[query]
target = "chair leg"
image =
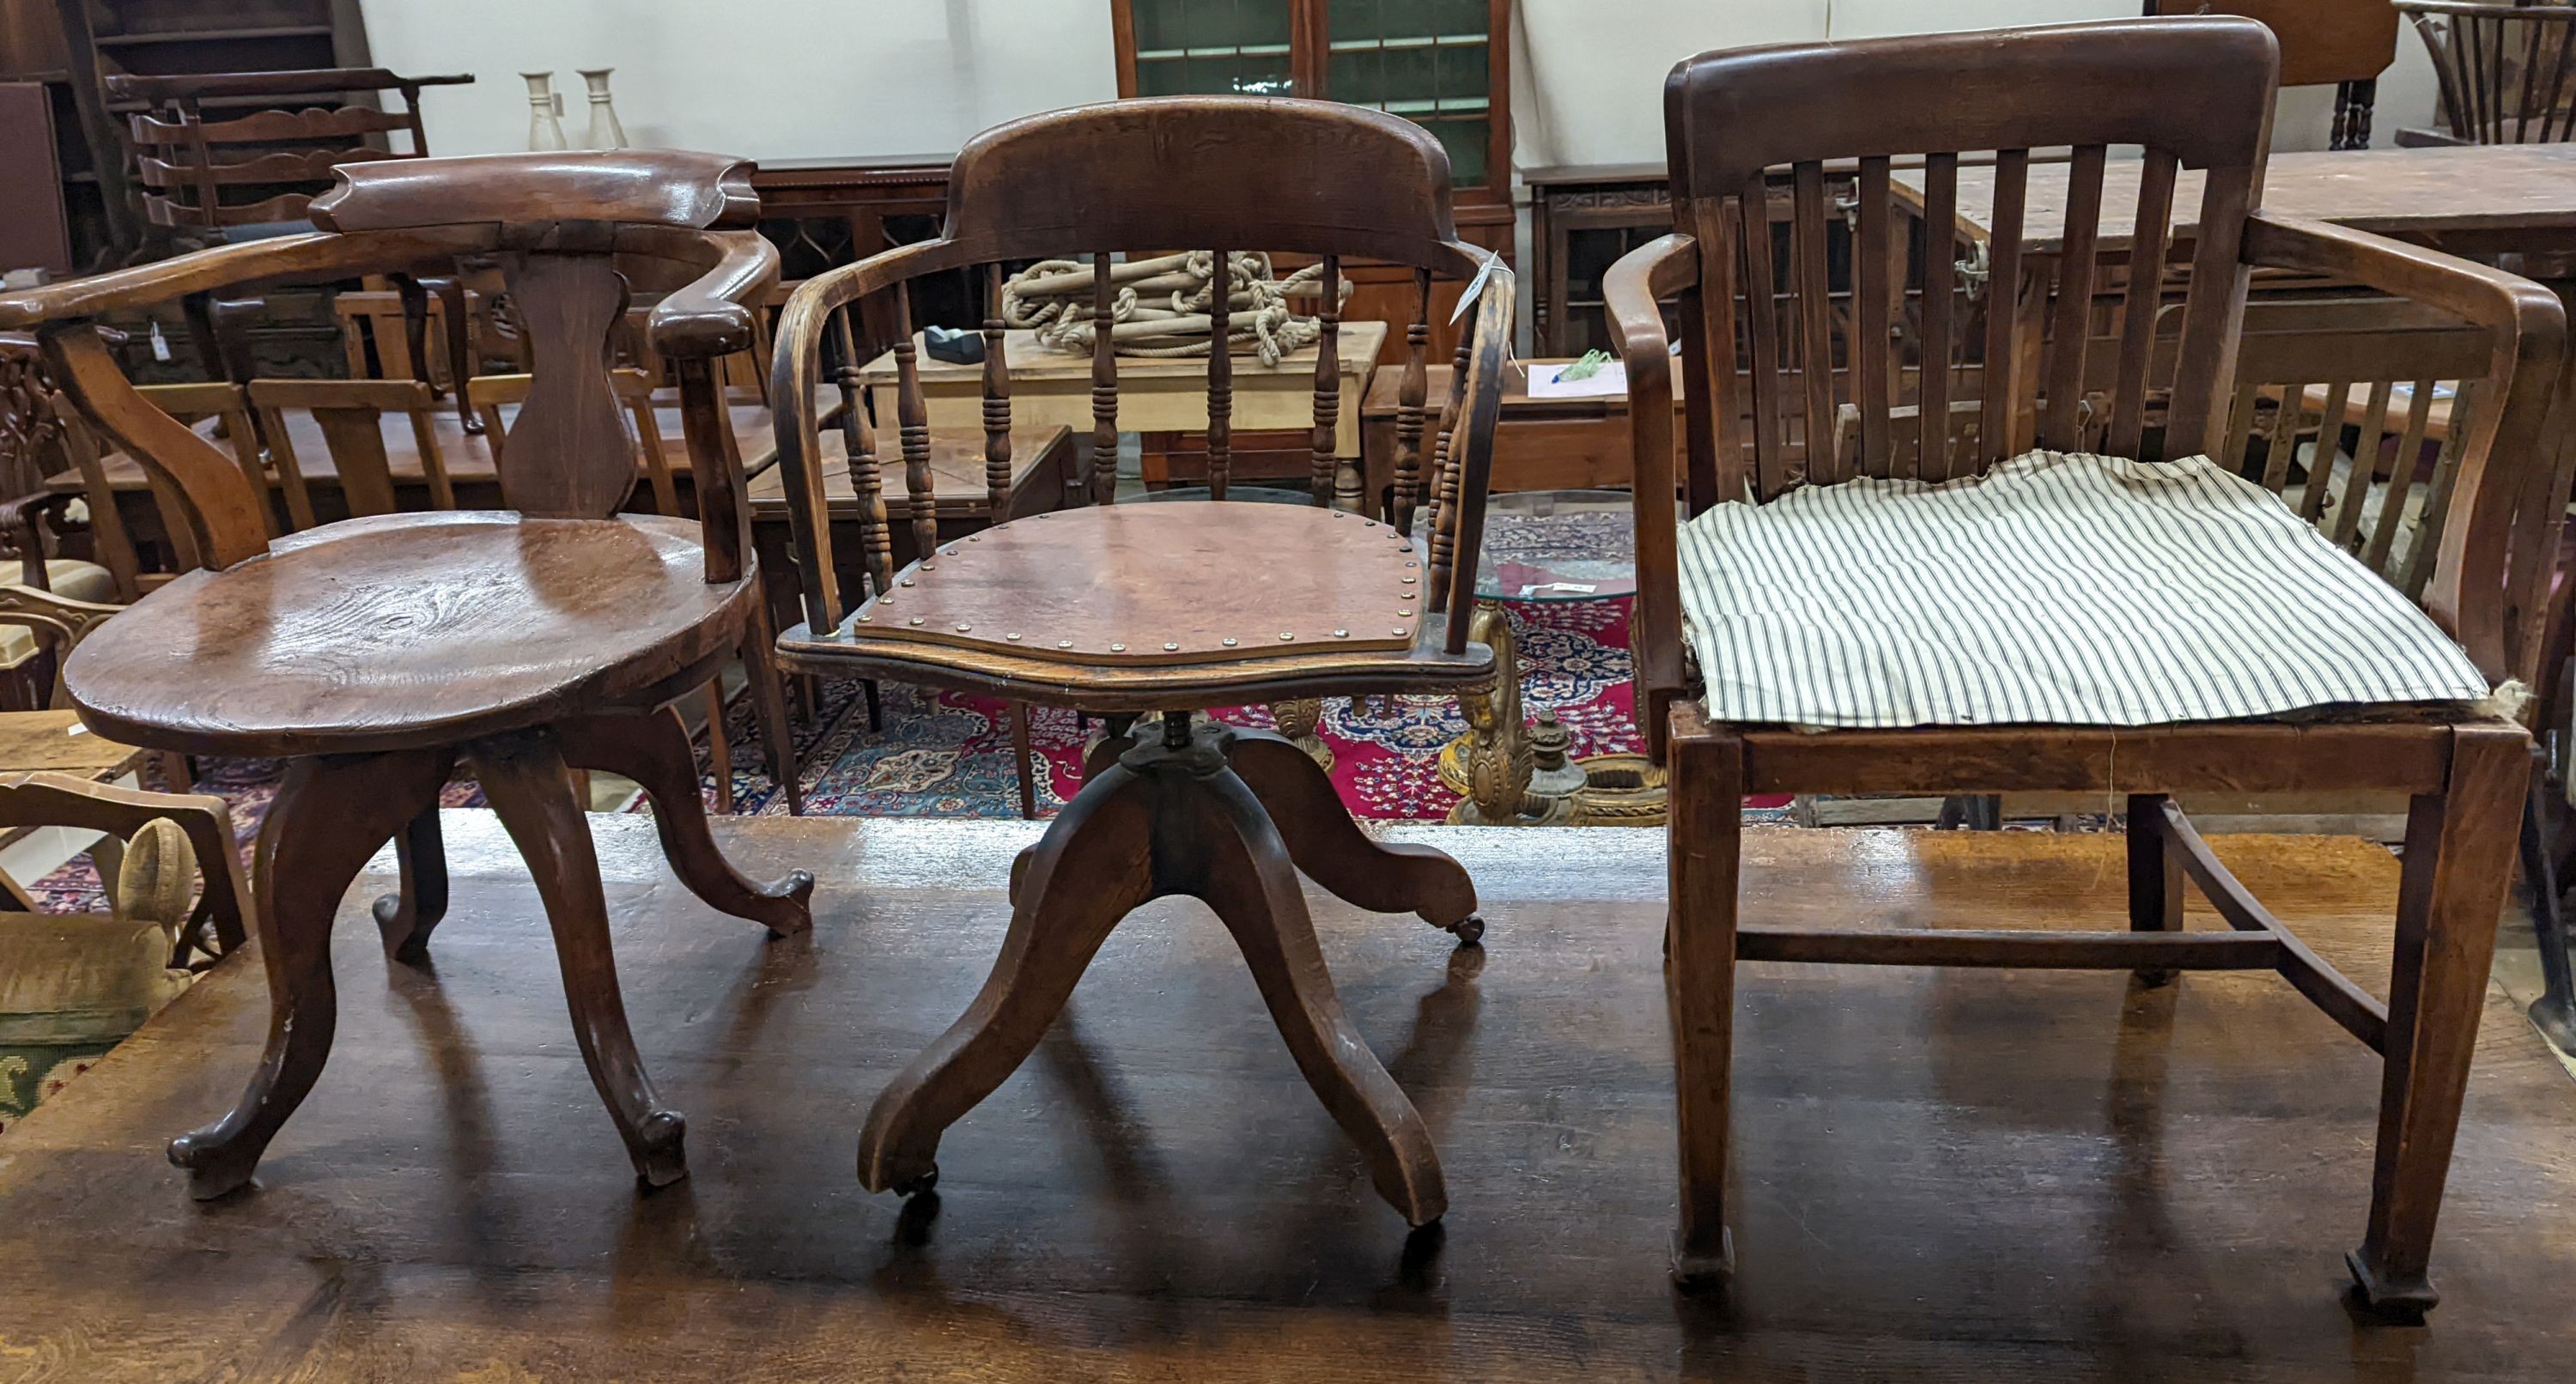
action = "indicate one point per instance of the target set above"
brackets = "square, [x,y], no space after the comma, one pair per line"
[406,916]
[1024,758]
[1251,884]
[2554,1013]
[876,705]
[1092,866]
[652,748]
[719,751]
[1705,796]
[2156,881]
[769,702]
[2458,869]
[330,815]
[460,347]
[525,776]
[1331,849]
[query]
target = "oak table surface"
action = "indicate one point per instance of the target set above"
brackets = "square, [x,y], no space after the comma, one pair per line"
[2515,191]
[1945,1174]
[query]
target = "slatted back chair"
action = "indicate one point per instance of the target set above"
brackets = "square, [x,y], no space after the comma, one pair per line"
[1169,608]
[2133,625]
[349,416]
[194,171]
[379,653]
[2506,73]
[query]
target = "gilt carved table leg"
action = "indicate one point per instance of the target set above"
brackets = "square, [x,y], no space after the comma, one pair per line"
[330,815]
[1171,816]
[1302,721]
[1491,763]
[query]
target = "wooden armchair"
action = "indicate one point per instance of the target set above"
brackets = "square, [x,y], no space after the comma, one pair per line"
[2176,611]
[1168,609]
[377,653]
[2503,69]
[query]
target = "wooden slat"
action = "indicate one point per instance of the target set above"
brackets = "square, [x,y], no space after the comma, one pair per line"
[2071,322]
[1104,384]
[1815,322]
[2365,457]
[1873,308]
[1710,354]
[164,211]
[912,427]
[2240,426]
[1753,220]
[997,398]
[285,166]
[1940,285]
[2401,479]
[1410,392]
[2143,295]
[2073,951]
[1220,380]
[2002,390]
[2426,546]
[269,127]
[1328,383]
[2283,447]
[2312,495]
[2254,758]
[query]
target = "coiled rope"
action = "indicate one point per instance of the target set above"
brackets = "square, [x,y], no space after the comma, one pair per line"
[1161,307]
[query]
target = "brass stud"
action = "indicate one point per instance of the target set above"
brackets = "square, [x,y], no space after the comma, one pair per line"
[1399,631]
[1341,634]
[1062,643]
[916,619]
[1412,564]
[1405,613]
[971,538]
[1117,648]
[864,618]
[963,627]
[1170,647]
[1408,581]
[930,566]
[1285,634]
[905,582]
[1337,514]
[1228,641]
[1013,636]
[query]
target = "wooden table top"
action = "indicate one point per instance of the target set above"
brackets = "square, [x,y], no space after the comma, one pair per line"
[1943,1174]
[1380,402]
[956,472]
[2401,192]
[468,456]
[1032,363]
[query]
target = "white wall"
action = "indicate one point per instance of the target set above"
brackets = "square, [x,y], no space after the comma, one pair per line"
[785,79]
[767,79]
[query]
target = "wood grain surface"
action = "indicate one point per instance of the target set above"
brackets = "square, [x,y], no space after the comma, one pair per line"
[1941,1175]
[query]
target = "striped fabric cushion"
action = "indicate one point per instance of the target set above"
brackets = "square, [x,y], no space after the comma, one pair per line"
[2060,589]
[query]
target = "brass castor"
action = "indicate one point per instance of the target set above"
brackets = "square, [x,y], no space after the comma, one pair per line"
[1469,933]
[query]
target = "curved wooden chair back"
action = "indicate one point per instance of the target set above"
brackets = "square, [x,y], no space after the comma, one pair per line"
[187,164]
[556,222]
[2505,70]
[1225,175]
[2195,94]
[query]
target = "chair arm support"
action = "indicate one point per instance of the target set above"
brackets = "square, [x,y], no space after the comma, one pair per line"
[2491,578]
[234,267]
[714,316]
[1631,292]
[18,526]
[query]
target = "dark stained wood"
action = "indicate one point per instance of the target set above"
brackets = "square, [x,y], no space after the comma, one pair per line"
[2501,69]
[1906,1204]
[2092,86]
[377,652]
[1170,608]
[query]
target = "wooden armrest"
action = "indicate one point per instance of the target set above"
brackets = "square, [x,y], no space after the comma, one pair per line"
[714,316]
[1630,296]
[47,799]
[287,257]
[2491,577]
[18,525]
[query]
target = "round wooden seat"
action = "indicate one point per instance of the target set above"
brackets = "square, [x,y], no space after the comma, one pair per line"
[407,630]
[1151,606]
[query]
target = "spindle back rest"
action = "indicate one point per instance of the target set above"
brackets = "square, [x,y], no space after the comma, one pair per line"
[1229,174]
[2505,72]
[556,222]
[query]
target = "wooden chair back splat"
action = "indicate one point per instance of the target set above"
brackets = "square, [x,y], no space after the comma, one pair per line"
[2457,363]
[381,653]
[1169,608]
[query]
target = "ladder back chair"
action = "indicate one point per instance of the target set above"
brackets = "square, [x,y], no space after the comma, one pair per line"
[2504,71]
[378,653]
[2064,622]
[1165,610]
